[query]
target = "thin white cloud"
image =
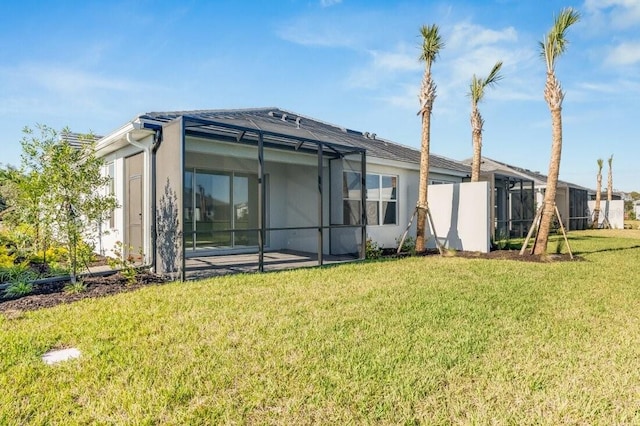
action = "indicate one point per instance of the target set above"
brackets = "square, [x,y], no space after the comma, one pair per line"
[626,53]
[470,35]
[321,32]
[329,3]
[62,79]
[382,67]
[620,14]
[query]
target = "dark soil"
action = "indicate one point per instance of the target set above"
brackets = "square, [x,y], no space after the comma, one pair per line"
[515,255]
[52,294]
[494,254]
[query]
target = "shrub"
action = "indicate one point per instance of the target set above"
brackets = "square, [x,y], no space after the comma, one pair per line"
[6,259]
[54,254]
[17,272]
[408,246]
[372,250]
[18,289]
[126,264]
[76,287]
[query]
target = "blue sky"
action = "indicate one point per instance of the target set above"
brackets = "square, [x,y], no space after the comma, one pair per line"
[95,65]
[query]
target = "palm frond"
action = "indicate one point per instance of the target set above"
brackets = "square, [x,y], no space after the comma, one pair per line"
[555,41]
[494,76]
[477,86]
[610,160]
[431,43]
[600,164]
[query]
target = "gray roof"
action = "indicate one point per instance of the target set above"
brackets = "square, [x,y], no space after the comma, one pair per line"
[284,122]
[489,164]
[76,140]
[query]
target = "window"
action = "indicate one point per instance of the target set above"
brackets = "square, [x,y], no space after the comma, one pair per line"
[382,205]
[221,209]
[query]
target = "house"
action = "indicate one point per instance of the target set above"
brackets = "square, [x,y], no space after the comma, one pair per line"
[636,209]
[200,186]
[518,192]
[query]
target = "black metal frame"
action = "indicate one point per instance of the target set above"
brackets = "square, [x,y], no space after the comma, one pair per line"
[213,129]
[510,182]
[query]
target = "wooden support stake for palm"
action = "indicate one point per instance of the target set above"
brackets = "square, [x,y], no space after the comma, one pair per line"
[534,225]
[406,231]
[433,229]
[564,233]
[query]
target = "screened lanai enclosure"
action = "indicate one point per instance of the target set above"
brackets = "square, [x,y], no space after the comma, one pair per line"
[233,195]
[514,204]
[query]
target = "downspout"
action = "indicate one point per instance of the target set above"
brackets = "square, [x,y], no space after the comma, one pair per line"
[150,152]
[157,140]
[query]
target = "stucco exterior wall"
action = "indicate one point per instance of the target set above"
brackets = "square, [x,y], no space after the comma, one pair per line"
[613,210]
[461,215]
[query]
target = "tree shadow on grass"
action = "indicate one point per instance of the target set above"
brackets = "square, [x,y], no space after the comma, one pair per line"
[637,246]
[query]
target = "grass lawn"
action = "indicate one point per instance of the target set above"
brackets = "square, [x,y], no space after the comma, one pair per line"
[434,340]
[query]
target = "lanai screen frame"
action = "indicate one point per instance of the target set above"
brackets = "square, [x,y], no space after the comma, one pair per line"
[255,136]
[521,184]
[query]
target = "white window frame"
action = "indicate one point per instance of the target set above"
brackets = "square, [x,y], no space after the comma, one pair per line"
[381,199]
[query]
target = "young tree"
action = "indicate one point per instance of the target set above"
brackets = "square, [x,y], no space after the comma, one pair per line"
[552,47]
[74,198]
[476,93]
[596,208]
[431,45]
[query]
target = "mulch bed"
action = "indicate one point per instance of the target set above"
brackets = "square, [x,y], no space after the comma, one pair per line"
[52,294]
[494,254]
[515,255]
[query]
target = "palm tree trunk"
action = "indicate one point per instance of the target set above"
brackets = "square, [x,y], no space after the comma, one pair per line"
[610,184]
[548,212]
[596,208]
[476,132]
[424,181]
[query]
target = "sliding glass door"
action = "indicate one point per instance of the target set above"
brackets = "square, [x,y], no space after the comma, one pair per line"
[221,210]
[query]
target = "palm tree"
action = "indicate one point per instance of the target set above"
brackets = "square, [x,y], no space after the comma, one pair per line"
[476,93]
[596,208]
[431,45]
[609,192]
[610,180]
[552,46]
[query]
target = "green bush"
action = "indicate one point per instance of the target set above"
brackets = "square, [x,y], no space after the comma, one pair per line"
[53,254]
[18,289]
[408,246]
[126,264]
[76,287]
[17,272]
[6,259]
[372,250]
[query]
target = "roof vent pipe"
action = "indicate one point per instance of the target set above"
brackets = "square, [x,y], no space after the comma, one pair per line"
[298,122]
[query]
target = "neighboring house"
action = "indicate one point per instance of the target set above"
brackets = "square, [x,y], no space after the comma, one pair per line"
[636,209]
[264,180]
[571,199]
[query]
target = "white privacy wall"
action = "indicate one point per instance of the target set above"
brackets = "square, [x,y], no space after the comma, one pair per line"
[461,215]
[613,210]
